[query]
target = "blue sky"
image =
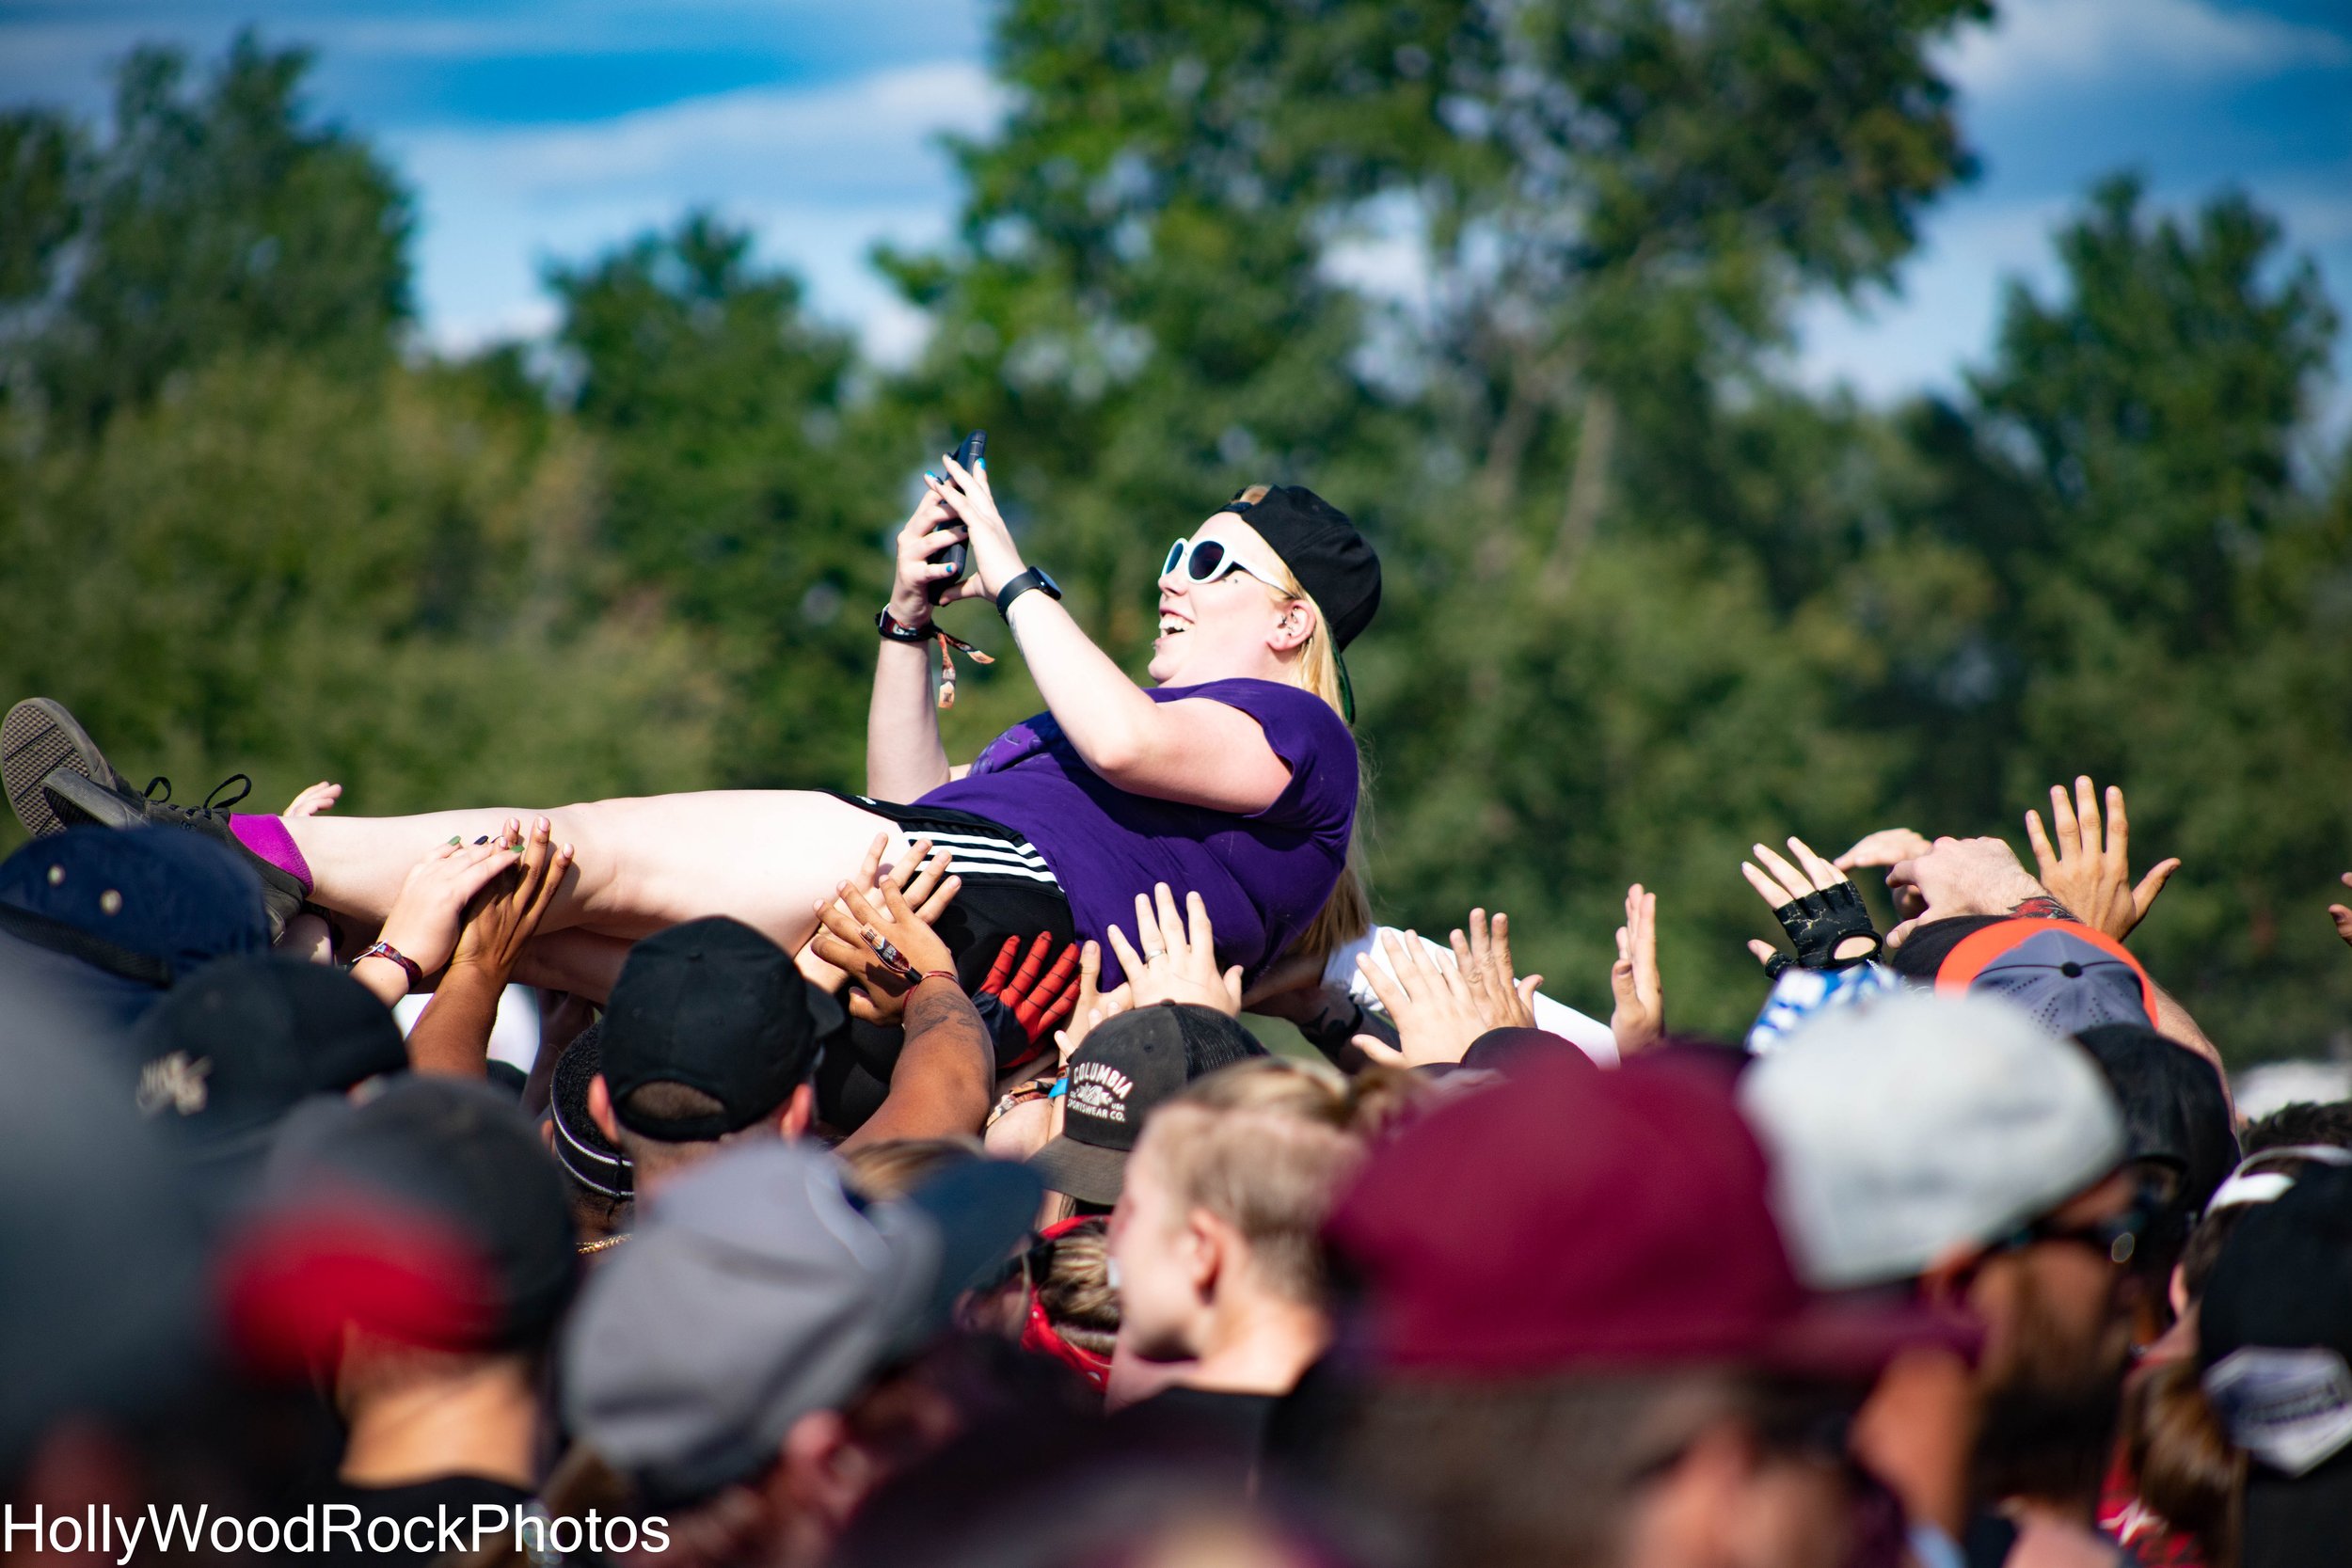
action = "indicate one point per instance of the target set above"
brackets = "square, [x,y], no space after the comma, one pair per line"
[537,131]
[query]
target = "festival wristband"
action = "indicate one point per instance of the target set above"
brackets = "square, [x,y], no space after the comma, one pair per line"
[386,951]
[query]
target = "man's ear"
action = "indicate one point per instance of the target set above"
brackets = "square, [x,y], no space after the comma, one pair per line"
[824,1473]
[799,1113]
[1211,1251]
[600,1111]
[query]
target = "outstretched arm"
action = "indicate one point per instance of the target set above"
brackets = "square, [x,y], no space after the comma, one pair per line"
[1198,753]
[946,1078]
[904,760]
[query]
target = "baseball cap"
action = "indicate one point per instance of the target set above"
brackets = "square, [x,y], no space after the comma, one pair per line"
[229,1050]
[2275,1345]
[2175,1111]
[1919,1123]
[1127,1066]
[717,1007]
[429,1214]
[1332,562]
[2067,976]
[1619,1222]
[104,918]
[587,1156]
[756,1289]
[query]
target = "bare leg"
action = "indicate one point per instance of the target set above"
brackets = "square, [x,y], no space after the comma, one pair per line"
[580,961]
[763,856]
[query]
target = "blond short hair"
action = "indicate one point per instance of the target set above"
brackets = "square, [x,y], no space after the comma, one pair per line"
[1266,1145]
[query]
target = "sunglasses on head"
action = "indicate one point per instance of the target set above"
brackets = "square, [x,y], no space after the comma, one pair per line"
[1207,560]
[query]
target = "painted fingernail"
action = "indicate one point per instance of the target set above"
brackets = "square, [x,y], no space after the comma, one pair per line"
[483,839]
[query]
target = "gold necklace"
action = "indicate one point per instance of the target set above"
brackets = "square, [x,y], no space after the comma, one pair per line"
[604,1244]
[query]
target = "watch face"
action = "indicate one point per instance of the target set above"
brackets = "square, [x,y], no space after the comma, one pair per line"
[1046,581]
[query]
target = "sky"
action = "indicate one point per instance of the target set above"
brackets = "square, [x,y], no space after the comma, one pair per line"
[549,131]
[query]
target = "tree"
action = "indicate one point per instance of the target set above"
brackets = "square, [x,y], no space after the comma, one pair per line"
[743,484]
[209,219]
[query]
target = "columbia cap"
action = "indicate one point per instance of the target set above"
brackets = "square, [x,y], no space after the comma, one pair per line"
[755,1289]
[1907,1127]
[1126,1068]
[715,1006]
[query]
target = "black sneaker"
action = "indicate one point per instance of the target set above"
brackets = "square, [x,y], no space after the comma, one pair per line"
[38,737]
[76,800]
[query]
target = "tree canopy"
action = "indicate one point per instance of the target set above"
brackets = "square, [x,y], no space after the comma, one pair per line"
[1509,284]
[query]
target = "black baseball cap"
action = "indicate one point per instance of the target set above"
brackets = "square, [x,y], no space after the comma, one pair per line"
[581,1149]
[227,1052]
[2175,1111]
[1332,562]
[1125,1069]
[429,1214]
[2274,1342]
[716,1007]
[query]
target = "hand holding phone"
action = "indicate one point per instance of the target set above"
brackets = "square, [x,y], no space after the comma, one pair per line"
[959,554]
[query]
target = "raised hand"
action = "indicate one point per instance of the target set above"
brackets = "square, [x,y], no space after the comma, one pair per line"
[882,945]
[422,925]
[965,494]
[2090,870]
[1179,958]
[1961,875]
[1484,957]
[1091,1007]
[1638,1020]
[318,797]
[1435,1015]
[1886,846]
[2343,916]
[1819,906]
[505,914]
[1035,997]
[929,529]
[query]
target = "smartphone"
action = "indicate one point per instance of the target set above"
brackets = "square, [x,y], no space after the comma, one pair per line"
[960,555]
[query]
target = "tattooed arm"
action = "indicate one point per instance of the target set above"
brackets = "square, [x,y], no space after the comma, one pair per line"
[946,1078]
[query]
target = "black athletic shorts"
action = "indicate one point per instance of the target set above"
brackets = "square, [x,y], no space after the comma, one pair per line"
[1008,891]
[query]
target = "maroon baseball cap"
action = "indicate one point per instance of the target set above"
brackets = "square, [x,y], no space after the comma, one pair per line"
[1576,1220]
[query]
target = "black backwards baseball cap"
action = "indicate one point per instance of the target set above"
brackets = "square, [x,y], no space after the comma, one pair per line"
[2175,1111]
[105,919]
[715,1006]
[1332,562]
[1126,1068]
[227,1052]
[758,1288]
[2274,1341]
[581,1149]
[431,1214]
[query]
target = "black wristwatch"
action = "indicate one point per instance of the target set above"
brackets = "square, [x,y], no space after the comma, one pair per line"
[1034,577]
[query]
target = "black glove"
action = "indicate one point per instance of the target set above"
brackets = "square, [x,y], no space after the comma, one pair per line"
[1820,922]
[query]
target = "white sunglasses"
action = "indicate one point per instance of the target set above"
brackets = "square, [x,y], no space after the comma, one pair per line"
[1207,560]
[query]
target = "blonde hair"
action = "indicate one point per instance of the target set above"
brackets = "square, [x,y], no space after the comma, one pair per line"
[1266,1145]
[1348,914]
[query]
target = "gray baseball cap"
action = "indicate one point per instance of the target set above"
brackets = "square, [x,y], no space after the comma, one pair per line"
[1903,1129]
[755,1289]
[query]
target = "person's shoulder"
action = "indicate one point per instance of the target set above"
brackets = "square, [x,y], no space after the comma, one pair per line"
[1265,701]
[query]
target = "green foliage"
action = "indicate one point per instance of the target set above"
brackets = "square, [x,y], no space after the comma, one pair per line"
[1647,604]
[208,220]
[303,576]
[742,485]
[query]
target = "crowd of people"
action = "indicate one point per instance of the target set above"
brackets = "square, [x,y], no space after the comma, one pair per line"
[897,1182]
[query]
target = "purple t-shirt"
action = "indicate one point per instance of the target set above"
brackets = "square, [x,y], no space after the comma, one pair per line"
[1264,876]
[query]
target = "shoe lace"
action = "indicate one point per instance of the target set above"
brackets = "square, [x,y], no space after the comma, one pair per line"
[159,791]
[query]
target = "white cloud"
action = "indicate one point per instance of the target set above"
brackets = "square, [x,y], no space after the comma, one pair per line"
[819,174]
[2045,43]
